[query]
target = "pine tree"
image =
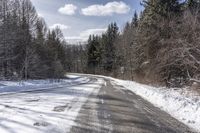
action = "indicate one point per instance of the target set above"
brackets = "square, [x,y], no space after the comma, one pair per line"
[109,55]
[94,53]
[193,5]
[134,22]
[163,7]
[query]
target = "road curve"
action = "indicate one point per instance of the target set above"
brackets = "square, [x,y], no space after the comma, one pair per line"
[115,110]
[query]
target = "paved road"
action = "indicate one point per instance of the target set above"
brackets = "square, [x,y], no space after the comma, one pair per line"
[120,111]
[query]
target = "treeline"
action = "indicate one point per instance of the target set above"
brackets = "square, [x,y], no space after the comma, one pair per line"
[28,49]
[161,45]
[76,58]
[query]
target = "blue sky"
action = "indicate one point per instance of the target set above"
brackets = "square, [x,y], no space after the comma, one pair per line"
[79,18]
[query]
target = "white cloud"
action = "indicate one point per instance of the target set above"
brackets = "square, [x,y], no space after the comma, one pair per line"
[84,35]
[61,26]
[106,10]
[74,39]
[68,9]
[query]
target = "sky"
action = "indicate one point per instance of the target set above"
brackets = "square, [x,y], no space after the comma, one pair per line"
[80,18]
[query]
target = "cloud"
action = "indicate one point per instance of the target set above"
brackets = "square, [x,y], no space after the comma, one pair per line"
[61,26]
[84,35]
[74,39]
[68,9]
[106,10]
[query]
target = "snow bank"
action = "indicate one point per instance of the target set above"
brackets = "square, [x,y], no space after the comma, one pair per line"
[72,76]
[18,86]
[180,103]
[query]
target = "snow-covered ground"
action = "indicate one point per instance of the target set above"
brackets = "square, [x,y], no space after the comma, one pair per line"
[35,106]
[46,107]
[18,86]
[182,104]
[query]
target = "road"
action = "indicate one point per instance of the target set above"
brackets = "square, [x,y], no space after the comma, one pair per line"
[95,106]
[120,111]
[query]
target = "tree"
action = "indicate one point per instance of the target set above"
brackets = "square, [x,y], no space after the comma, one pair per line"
[24,52]
[108,47]
[163,8]
[9,29]
[193,5]
[134,22]
[55,53]
[94,53]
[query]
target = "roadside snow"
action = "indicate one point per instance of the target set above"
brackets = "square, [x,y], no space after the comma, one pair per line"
[46,110]
[29,85]
[72,76]
[180,103]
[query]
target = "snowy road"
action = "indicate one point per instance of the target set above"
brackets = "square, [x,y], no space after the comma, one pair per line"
[113,110]
[92,106]
[45,110]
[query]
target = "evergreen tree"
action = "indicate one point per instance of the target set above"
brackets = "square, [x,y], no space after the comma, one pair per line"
[163,7]
[134,22]
[55,53]
[94,53]
[109,54]
[193,5]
